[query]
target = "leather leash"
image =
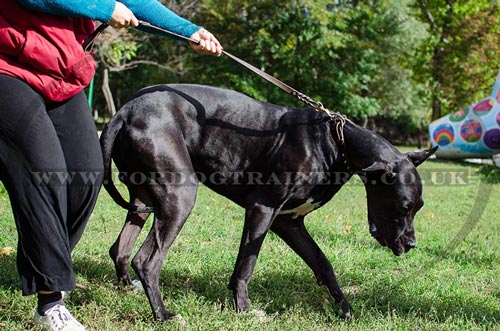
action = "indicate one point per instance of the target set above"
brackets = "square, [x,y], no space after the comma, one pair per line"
[88,44]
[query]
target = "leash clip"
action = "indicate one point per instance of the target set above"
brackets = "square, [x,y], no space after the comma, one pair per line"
[317,105]
[320,108]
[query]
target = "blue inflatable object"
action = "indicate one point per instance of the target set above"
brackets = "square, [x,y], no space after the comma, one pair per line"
[472,132]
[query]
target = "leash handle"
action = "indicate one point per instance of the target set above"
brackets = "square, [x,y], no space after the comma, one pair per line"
[89,42]
[318,106]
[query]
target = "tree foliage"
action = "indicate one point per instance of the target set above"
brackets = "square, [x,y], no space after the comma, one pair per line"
[131,59]
[339,53]
[459,59]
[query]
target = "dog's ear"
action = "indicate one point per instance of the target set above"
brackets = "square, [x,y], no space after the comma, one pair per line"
[378,167]
[419,157]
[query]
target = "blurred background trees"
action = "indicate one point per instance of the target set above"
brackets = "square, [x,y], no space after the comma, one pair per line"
[391,65]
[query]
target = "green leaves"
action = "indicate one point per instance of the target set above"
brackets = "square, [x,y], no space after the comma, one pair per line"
[121,51]
[460,56]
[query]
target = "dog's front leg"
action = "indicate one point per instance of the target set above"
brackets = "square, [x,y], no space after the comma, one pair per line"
[258,219]
[295,234]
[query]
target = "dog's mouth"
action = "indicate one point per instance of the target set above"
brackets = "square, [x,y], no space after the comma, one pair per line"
[401,245]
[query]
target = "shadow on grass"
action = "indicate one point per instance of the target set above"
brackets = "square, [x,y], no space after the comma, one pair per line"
[14,309]
[94,269]
[441,308]
[461,256]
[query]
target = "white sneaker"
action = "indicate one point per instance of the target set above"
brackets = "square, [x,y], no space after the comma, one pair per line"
[58,318]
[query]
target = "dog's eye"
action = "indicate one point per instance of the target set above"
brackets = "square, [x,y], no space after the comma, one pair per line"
[407,207]
[388,178]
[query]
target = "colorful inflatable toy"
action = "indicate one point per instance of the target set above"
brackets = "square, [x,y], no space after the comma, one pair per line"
[472,132]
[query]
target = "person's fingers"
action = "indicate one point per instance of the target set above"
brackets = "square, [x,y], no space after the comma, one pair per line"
[134,22]
[207,43]
[208,46]
[201,45]
[122,17]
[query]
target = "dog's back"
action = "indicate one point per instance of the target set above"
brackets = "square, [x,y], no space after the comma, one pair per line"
[220,130]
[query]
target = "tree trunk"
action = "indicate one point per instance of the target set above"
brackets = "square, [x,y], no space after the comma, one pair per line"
[108,95]
[439,56]
[436,108]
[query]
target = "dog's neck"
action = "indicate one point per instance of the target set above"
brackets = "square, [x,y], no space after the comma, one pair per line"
[363,147]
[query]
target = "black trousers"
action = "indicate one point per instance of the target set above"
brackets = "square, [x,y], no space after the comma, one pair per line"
[51,165]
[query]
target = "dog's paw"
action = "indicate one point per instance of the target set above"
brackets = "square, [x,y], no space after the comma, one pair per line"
[179,320]
[347,316]
[261,315]
[137,285]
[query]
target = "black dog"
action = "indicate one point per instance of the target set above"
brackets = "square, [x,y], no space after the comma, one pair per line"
[278,163]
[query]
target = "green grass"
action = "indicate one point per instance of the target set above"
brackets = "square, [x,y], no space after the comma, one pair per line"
[434,287]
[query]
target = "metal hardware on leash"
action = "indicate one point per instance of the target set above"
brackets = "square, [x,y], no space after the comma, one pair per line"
[317,105]
[339,126]
[341,121]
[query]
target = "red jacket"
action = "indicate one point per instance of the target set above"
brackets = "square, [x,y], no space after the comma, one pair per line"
[45,50]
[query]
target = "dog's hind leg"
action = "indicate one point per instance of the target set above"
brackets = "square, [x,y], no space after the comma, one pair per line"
[172,205]
[295,234]
[121,250]
[258,219]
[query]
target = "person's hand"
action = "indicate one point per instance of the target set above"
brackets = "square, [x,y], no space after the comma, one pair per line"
[123,17]
[208,44]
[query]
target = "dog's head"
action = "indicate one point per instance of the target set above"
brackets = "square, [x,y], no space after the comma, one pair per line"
[394,194]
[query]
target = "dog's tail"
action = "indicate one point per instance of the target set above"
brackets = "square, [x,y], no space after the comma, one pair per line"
[107,139]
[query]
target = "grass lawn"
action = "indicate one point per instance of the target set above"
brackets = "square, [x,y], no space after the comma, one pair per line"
[446,283]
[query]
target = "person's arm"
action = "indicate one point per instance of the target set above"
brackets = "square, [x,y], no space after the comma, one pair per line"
[100,10]
[152,11]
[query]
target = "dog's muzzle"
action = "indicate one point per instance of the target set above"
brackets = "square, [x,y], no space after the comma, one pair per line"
[402,244]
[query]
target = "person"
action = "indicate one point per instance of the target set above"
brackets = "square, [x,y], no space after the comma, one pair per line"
[50,157]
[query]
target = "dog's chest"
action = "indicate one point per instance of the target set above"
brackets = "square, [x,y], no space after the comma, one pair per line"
[305,208]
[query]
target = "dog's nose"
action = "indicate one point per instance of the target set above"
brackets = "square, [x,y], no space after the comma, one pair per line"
[410,244]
